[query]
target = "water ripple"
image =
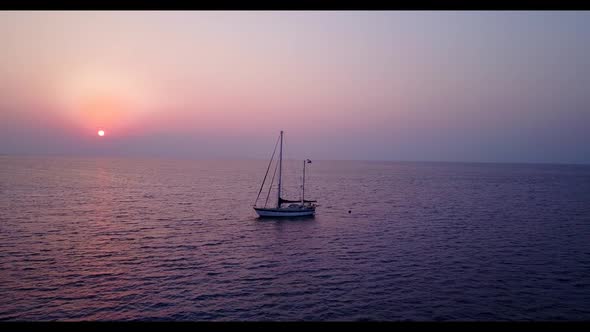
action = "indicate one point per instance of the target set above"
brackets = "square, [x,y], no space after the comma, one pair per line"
[115,239]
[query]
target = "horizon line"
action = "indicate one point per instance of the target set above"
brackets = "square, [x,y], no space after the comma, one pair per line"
[162,157]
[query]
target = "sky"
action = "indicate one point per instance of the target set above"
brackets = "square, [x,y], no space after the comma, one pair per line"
[346,85]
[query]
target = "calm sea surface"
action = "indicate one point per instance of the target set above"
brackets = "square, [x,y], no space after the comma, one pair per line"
[129,239]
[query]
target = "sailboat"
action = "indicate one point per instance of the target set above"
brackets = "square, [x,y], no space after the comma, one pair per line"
[284,207]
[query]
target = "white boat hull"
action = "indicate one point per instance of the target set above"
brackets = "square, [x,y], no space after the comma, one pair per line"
[284,212]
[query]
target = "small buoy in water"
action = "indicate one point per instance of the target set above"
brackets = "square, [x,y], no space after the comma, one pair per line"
[348,211]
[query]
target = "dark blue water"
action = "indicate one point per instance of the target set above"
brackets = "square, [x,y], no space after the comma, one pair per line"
[124,239]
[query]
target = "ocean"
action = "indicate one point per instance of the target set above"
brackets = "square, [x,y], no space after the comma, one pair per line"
[147,239]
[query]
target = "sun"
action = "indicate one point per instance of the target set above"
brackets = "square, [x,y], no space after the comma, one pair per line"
[101,133]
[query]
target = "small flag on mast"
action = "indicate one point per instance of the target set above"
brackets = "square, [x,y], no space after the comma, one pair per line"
[308,161]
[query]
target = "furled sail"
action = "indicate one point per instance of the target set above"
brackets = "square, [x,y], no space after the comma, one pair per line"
[297,201]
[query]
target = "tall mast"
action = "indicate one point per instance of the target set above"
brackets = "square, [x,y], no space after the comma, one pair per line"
[280,170]
[303,186]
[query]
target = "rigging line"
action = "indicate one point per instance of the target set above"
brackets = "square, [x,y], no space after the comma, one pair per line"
[271,181]
[287,168]
[285,165]
[269,163]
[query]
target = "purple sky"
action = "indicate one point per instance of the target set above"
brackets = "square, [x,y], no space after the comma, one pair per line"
[437,86]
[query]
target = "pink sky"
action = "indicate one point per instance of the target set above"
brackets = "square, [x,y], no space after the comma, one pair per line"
[469,86]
